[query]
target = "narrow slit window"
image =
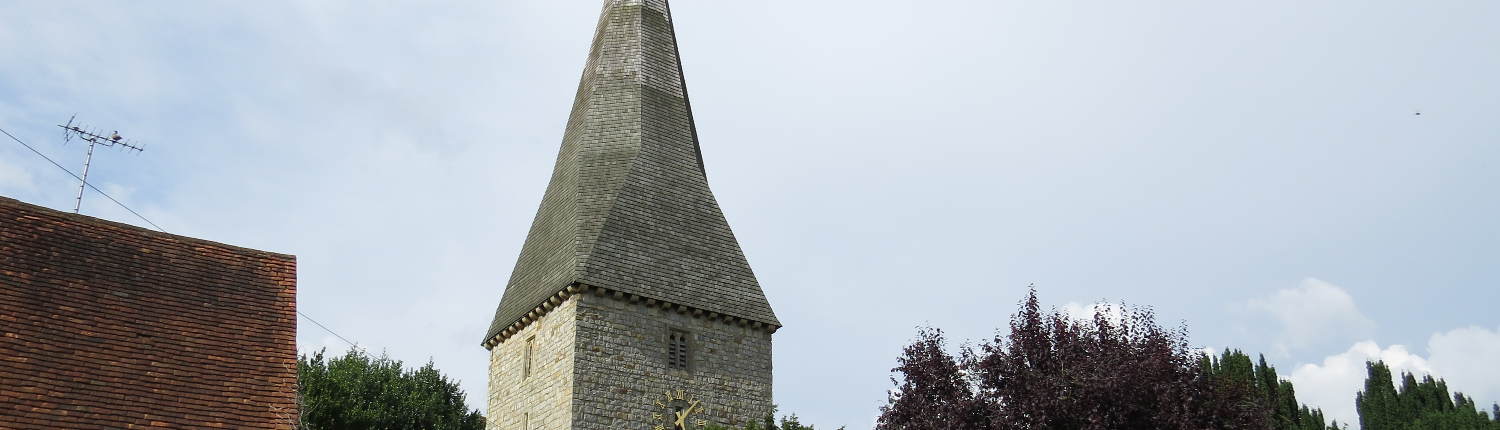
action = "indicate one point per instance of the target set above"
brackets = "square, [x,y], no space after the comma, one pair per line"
[526,361]
[677,350]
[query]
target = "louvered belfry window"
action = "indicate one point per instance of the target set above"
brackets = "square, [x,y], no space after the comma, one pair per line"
[677,350]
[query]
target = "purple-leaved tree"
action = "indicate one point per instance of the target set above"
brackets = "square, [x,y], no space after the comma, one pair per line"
[1116,370]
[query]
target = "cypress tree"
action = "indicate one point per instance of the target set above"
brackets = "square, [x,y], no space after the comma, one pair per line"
[1242,392]
[1418,405]
[1377,403]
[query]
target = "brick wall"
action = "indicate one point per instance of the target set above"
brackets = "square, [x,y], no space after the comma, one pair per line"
[107,325]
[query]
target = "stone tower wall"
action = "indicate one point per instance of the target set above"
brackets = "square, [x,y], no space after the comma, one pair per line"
[622,366]
[540,401]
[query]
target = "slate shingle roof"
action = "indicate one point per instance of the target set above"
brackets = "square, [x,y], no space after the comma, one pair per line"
[629,207]
[108,326]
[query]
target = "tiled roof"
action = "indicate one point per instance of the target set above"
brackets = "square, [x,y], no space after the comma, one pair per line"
[629,207]
[105,325]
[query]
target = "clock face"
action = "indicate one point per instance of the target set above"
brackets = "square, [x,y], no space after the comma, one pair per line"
[678,411]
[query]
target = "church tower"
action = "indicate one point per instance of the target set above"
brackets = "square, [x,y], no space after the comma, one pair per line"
[632,305]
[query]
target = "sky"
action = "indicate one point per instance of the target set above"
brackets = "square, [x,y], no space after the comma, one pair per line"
[1312,181]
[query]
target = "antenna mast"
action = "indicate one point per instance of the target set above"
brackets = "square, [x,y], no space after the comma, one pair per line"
[93,137]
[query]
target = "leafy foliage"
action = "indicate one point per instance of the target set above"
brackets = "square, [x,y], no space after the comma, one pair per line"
[1055,372]
[1118,370]
[357,391]
[1243,392]
[768,422]
[934,395]
[1418,405]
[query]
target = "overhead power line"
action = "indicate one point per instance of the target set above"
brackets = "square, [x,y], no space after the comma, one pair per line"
[94,138]
[80,179]
[143,218]
[356,346]
[330,331]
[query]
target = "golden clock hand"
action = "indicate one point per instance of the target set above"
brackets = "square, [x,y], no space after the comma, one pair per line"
[682,415]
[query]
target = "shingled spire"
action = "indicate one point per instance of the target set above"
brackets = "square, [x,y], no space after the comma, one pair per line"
[629,208]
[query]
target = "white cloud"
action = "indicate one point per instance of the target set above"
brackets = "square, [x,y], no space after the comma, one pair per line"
[13,177]
[400,150]
[1332,385]
[1082,312]
[1468,358]
[1464,357]
[329,345]
[1312,312]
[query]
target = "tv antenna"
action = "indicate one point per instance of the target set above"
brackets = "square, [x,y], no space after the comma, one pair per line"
[95,138]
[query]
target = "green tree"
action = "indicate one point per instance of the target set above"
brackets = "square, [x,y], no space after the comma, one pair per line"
[767,422]
[1418,405]
[1243,391]
[357,391]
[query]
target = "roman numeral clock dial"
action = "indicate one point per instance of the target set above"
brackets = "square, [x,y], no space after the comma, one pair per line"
[679,411]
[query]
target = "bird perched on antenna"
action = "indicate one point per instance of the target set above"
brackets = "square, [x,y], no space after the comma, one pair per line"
[88,135]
